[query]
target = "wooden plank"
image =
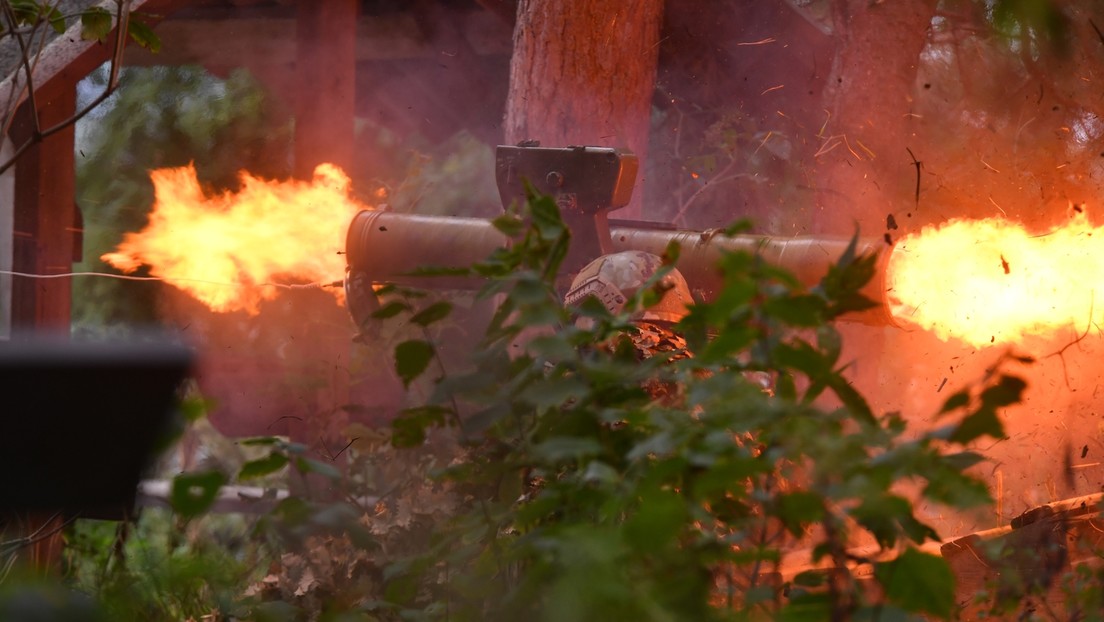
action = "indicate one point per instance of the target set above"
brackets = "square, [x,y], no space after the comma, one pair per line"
[224,44]
[1022,565]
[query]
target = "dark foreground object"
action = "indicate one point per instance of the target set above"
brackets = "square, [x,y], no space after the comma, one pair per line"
[79,422]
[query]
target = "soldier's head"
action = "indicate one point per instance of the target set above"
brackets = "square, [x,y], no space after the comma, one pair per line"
[616,278]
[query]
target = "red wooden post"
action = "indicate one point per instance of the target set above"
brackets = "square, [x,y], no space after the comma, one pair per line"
[43,243]
[45,214]
[326,68]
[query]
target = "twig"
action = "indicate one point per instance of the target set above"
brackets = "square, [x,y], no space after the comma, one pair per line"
[25,61]
[38,535]
[1098,33]
[122,17]
[917,164]
[999,207]
[718,179]
[279,419]
[1061,353]
[332,456]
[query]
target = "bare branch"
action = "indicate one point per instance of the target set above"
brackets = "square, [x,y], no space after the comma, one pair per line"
[25,60]
[122,19]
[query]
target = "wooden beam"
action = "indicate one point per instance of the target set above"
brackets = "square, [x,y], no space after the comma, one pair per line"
[221,45]
[69,57]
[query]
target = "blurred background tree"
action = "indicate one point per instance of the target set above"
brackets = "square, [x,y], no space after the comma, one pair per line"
[161,117]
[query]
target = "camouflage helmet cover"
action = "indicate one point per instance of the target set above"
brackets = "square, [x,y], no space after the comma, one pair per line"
[615,278]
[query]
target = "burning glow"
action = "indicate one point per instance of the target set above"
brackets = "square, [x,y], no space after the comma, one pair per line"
[267,232]
[994,282]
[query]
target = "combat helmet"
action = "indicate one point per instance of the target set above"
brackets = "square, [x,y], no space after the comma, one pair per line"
[615,278]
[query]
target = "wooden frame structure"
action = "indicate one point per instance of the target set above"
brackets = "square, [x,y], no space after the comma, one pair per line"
[331,61]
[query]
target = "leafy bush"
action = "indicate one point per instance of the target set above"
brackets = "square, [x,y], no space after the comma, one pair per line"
[603,469]
[594,476]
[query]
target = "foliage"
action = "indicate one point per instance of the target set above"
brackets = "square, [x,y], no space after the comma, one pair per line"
[591,482]
[28,29]
[161,567]
[22,18]
[596,496]
[568,473]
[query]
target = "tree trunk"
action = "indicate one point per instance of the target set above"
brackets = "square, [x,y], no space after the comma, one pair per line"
[583,73]
[865,169]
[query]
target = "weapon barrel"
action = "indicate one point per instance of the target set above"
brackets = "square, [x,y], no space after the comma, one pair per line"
[389,246]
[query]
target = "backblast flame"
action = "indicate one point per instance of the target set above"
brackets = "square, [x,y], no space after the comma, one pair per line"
[994,282]
[229,249]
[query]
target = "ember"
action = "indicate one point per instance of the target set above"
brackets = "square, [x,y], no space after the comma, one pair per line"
[210,245]
[994,282]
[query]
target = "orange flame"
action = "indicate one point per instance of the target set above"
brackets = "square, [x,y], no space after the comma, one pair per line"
[994,282]
[265,232]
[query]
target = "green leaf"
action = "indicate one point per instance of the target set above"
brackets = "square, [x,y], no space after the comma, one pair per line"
[263,466]
[566,448]
[671,253]
[720,479]
[918,582]
[854,401]
[554,347]
[56,19]
[391,309]
[1008,390]
[408,429]
[193,493]
[95,24]
[26,11]
[797,509]
[598,472]
[555,391]
[308,465]
[195,408]
[433,313]
[659,519]
[1043,18]
[955,489]
[803,311]
[961,399]
[411,359]
[144,36]
[886,516]
[729,343]
[293,511]
[744,225]
[845,280]
[261,441]
[802,357]
[803,606]
[509,224]
[981,423]
[546,217]
[963,460]
[785,387]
